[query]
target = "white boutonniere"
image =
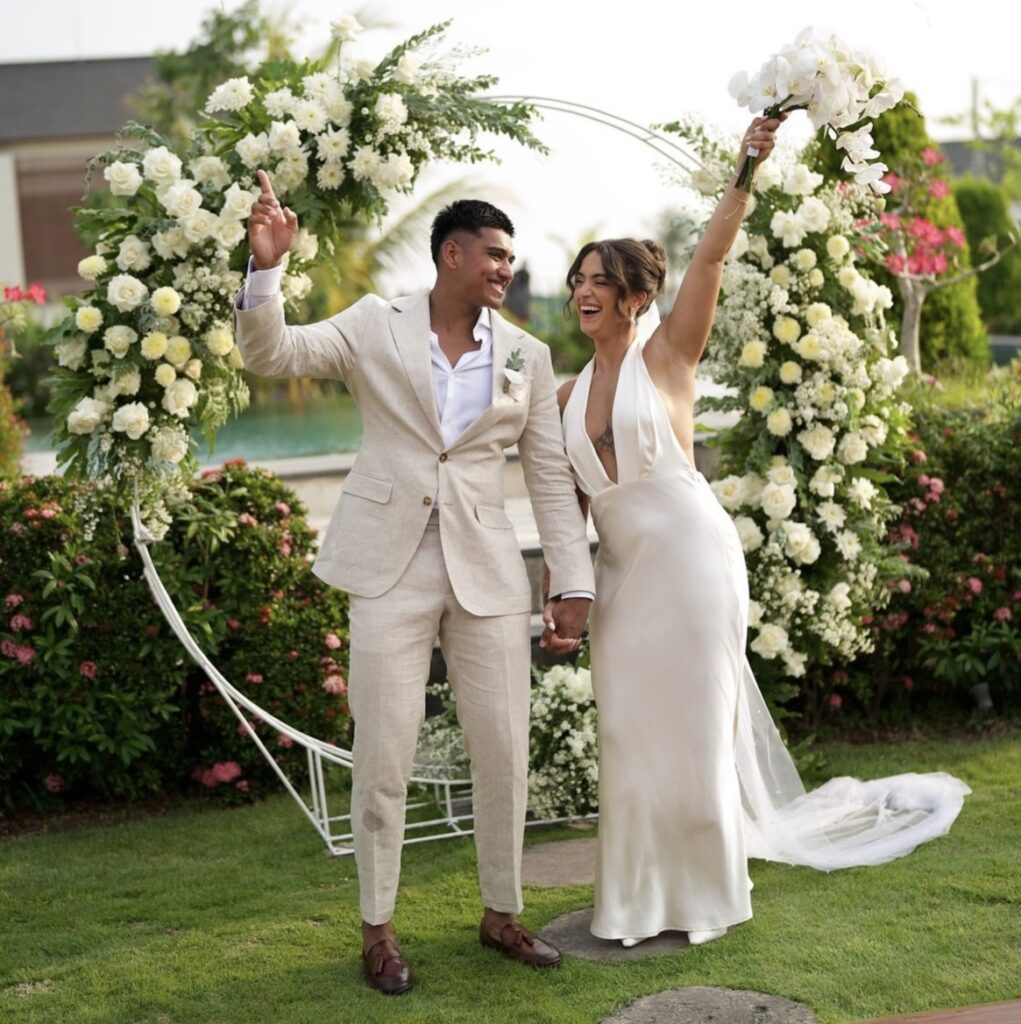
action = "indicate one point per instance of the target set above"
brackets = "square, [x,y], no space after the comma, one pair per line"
[515,383]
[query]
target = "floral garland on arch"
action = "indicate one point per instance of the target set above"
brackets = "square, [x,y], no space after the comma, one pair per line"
[801,342]
[148,352]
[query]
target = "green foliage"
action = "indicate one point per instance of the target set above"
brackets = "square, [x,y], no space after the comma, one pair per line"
[96,695]
[988,224]
[12,428]
[952,621]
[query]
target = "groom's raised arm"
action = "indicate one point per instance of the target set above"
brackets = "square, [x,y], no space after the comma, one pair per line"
[267,344]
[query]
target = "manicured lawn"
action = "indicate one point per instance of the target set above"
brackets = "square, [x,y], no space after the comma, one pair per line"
[236,917]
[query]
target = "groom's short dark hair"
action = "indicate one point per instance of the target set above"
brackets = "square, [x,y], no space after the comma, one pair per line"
[466,215]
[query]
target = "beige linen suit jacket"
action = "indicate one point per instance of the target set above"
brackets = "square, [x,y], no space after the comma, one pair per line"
[380,350]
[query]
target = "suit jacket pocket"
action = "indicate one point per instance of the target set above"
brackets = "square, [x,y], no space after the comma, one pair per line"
[370,487]
[492,516]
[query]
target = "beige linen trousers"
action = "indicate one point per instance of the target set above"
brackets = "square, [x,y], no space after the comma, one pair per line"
[422,543]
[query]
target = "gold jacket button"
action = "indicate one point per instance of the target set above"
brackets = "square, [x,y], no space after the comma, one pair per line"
[443,457]
[427,501]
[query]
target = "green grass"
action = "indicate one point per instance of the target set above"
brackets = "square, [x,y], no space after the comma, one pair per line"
[236,916]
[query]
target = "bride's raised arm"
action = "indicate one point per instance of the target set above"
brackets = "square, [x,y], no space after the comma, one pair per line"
[682,335]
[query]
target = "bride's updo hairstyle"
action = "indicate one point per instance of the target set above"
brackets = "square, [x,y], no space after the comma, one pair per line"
[631,265]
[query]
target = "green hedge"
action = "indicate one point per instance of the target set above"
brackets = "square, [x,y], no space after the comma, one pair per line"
[97,696]
[954,620]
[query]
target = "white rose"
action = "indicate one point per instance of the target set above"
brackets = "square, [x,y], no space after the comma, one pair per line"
[168,444]
[788,228]
[748,531]
[91,267]
[305,245]
[873,429]
[131,419]
[753,484]
[771,641]
[794,662]
[237,203]
[171,243]
[754,614]
[778,500]
[71,354]
[801,544]
[801,181]
[253,149]
[228,233]
[124,178]
[818,441]
[729,492]
[767,176]
[161,166]
[407,68]
[782,473]
[210,170]
[86,416]
[179,397]
[813,215]
[201,225]
[125,292]
[824,481]
[127,383]
[193,369]
[134,254]
[852,449]
[839,597]
[118,339]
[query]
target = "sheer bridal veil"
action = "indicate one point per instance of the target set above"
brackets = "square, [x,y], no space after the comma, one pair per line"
[845,822]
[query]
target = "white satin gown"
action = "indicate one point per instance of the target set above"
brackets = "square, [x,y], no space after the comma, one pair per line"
[694,778]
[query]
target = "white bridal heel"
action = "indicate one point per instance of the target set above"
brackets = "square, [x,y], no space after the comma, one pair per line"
[628,943]
[700,938]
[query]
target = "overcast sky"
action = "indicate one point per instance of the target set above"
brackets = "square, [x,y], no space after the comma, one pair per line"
[647,61]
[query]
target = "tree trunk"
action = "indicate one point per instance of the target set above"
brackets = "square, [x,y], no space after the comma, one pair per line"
[910,344]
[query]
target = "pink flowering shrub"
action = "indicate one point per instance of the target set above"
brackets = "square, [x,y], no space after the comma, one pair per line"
[954,621]
[97,696]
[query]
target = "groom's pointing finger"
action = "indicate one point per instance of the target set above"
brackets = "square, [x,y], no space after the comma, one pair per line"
[264,184]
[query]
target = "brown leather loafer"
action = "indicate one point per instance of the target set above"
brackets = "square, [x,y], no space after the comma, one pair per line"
[386,969]
[520,944]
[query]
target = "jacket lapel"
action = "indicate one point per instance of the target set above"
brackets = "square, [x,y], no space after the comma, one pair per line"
[409,324]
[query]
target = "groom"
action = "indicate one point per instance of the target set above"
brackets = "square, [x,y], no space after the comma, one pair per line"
[421,542]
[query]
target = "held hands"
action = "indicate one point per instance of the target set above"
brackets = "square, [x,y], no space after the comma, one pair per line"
[565,620]
[272,228]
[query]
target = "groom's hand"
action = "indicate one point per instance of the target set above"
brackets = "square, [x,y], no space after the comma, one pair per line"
[565,620]
[272,228]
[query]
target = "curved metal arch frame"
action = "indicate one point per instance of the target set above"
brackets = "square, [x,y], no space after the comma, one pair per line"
[450,793]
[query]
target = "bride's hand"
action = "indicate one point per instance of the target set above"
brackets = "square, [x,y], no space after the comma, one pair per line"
[761,135]
[564,621]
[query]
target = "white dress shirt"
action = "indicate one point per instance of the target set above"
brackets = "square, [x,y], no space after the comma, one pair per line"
[462,392]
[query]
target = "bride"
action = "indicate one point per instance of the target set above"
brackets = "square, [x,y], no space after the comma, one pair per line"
[694,778]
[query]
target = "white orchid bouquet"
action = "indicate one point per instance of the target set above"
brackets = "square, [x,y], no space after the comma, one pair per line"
[148,354]
[840,88]
[563,778]
[801,341]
